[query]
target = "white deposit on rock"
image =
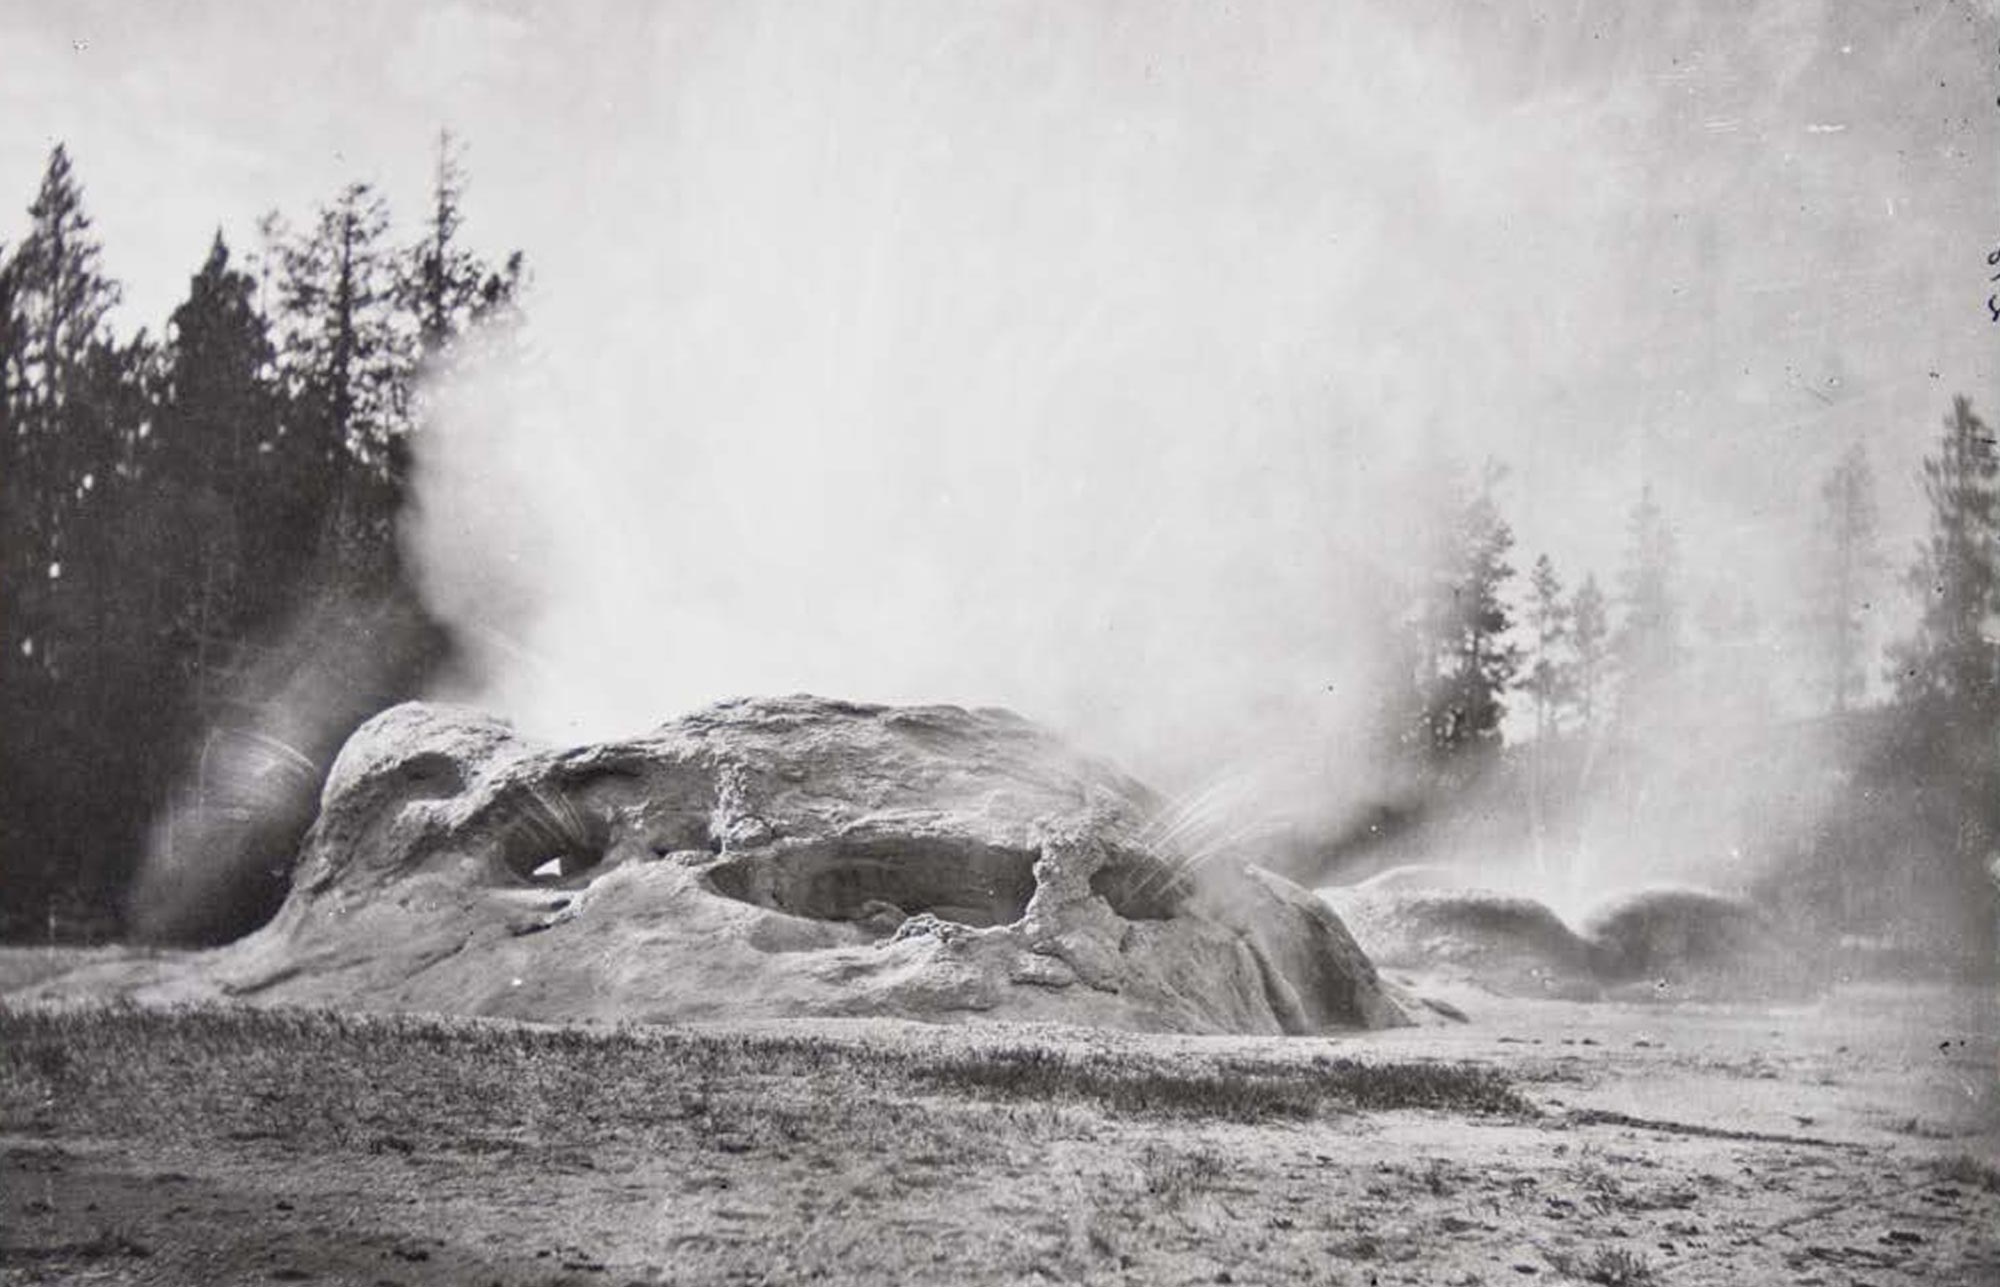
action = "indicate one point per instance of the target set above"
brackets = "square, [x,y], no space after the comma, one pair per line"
[1507,944]
[790,856]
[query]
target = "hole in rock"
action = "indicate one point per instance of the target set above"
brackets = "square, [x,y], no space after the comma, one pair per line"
[432,774]
[876,879]
[1139,888]
[544,837]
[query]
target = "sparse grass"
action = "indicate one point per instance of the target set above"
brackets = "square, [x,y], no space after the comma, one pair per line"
[105,1244]
[1970,1171]
[1237,1092]
[1173,1176]
[1452,1087]
[1608,1266]
[159,1145]
[376,1082]
[1600,1186]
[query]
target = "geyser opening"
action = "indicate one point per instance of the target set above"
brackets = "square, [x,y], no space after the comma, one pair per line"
[1139,889]
[551,839]
[884,879]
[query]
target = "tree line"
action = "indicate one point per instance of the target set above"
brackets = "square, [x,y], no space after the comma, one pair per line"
[173,506]
[1591,678]
[1583,661]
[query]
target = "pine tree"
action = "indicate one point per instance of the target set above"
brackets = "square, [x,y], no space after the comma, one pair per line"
[20,875]
[1848,562]
[11,352]
[78,699]
[348,361]
[1951,665]
[62,297]
[1550,679]
[1946,677]
[447,289]
[19,508]
[215,457]
[1465,663]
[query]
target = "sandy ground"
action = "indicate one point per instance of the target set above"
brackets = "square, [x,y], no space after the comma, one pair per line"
[1850,1141]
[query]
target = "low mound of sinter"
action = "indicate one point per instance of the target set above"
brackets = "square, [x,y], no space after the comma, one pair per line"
[1508,944]
[1699,940]
[1674,942]
[782,857]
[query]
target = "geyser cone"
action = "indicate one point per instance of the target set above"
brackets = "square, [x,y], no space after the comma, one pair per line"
[783,857]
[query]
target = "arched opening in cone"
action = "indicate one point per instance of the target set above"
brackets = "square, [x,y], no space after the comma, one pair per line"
[881,880]
[548,840]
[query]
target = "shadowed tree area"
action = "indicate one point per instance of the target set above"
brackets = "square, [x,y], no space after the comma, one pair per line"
[201,591]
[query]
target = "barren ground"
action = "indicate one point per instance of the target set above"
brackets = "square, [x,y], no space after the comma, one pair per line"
[1854,1140]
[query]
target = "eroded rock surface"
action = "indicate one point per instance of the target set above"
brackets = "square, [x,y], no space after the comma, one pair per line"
[790,856]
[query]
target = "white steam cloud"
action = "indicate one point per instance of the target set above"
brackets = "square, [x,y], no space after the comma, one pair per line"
[1085,359]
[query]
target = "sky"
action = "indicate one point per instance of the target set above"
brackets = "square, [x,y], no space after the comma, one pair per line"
[1088,359]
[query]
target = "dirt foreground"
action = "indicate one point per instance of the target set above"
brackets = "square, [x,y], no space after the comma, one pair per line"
[1854,1140]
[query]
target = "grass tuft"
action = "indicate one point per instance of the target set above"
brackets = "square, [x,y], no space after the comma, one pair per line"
[1240,1092]
[1608,1266]
[1968,1170]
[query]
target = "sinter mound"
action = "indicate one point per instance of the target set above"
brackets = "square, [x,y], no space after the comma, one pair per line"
[1675,943]
[1507,944]
[775,857]
[1695,942]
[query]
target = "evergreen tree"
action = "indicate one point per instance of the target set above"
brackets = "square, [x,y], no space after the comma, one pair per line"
[348,360]
[19,541]
[1846,566]
[62,297]
[77,406]
[445,287]
[1647,644]
[1465,664]
[1947,680]
[19,506]
[1951,665]
[229,536]
[1590,646]
[1550,678]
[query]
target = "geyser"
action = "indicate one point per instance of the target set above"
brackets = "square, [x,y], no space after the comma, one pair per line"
[772,857]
